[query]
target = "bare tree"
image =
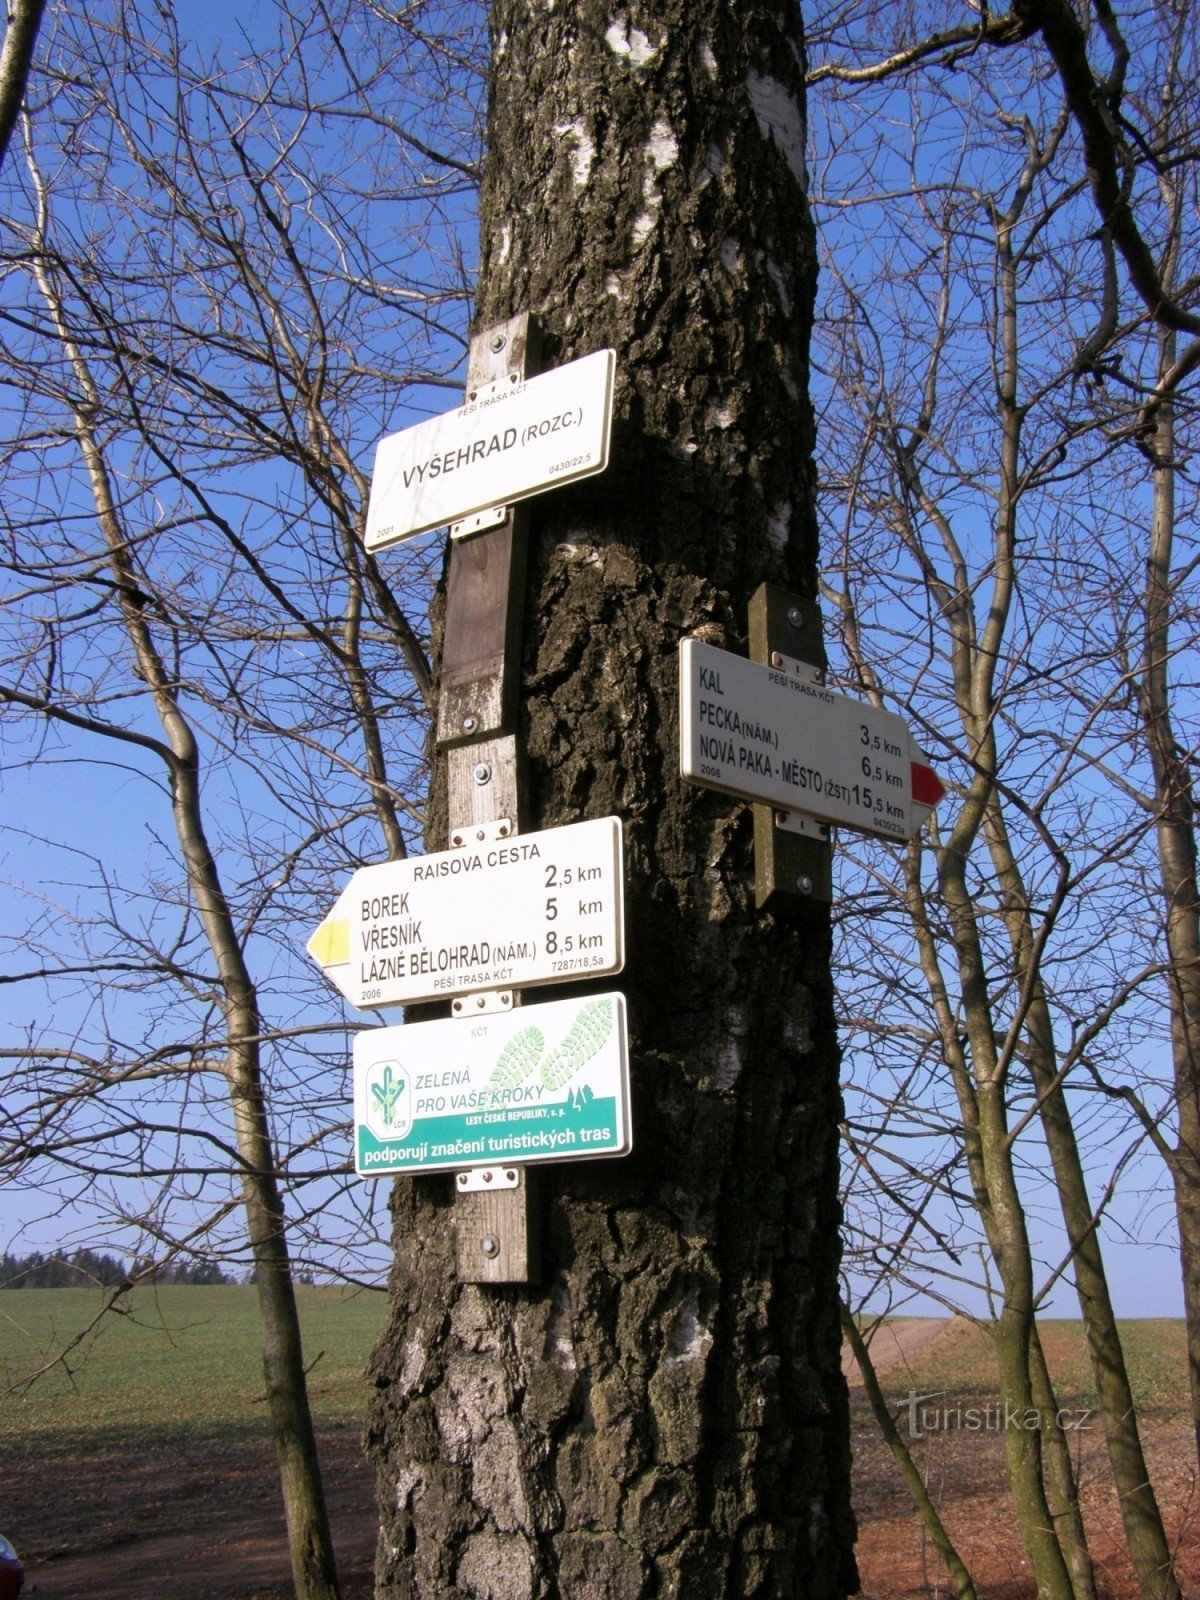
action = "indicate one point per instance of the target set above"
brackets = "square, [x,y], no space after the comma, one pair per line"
[959,407]
[216,289]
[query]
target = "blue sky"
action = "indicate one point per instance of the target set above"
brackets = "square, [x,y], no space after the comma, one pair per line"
[884,170]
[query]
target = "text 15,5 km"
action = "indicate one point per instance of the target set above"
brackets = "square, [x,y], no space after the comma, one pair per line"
[785,740]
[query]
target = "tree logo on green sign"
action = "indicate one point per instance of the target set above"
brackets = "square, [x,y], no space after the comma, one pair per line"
[389,1100]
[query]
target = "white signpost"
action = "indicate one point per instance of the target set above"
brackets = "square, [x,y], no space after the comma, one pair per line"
[511,441]
[500,912]
[545,1083]
[777,736]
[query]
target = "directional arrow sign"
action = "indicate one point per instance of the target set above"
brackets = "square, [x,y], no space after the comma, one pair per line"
[545,1083]
[510,441]
[497,913]
[771,735]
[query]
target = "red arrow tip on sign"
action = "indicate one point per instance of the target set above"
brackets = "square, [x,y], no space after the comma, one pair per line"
[927,787]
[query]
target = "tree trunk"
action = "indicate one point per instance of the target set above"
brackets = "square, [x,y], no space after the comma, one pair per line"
[666,1414]
[1145,1535]
[1062,1486]
[16,57]
[1176,824]
[960,1577]
[314,1570]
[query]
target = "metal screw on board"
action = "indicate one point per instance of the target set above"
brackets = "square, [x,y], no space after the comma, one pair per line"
[795,616]
[498,341]
[469,724]
[776,658]
[804,884]
[482,772]
[490,1246]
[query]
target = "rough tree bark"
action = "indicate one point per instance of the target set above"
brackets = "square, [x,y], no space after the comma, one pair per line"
[665,1414]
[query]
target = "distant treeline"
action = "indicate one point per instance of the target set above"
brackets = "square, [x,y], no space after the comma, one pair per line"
[86,1268]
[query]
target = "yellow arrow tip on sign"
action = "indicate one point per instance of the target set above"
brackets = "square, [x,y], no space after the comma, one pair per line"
[330,944]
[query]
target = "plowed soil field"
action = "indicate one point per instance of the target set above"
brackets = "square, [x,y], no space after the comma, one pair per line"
[940,1380]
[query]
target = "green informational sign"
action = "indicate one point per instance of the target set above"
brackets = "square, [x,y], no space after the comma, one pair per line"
[542,1083]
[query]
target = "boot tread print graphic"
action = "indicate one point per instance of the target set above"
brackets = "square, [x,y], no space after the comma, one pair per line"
[518,1059]
[386,1094]
[591,1028]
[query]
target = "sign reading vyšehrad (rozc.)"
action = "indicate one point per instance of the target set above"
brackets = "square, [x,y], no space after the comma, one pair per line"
[496,913]
[510,441]
[766,734]
[544,1083]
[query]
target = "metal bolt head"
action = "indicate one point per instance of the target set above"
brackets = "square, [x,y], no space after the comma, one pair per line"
[481,772]
[469,724]
[462,1180]
[776,659]
[804,884]
[490,1246]
[498,342]
[487,1177]
[795,616]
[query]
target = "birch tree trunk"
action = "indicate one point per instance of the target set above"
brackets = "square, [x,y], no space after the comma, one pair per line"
[665,1414]
[16,57]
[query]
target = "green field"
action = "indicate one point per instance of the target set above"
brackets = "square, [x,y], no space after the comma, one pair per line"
[186,1361]
[178,1360]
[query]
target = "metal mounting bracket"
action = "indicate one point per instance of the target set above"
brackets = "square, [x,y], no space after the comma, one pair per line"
[479,1180]
[804,670]
[479,1005]
[478,522]
[797,822]
[481,833]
